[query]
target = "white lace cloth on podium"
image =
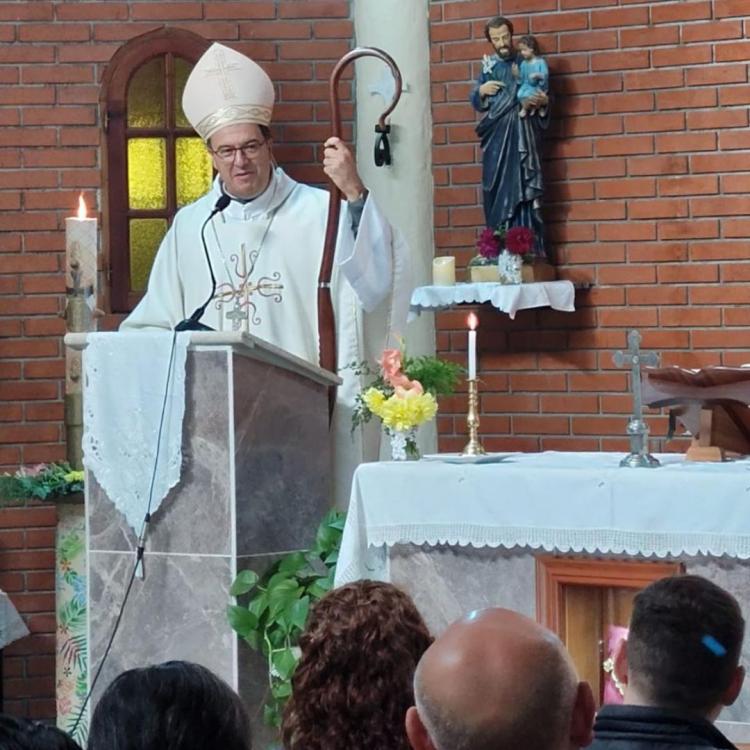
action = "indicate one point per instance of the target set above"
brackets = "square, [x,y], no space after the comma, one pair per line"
[125,382]
[510,298]
[564,502]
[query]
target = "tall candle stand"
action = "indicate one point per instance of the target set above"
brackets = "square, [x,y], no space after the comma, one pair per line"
[473,447]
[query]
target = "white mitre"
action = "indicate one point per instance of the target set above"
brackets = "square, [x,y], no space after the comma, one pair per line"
[226,88]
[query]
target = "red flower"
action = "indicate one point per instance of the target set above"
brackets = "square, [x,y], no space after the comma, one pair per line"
[488,244]
[519,240]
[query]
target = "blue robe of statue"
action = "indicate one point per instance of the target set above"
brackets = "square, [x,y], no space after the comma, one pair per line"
[511,162]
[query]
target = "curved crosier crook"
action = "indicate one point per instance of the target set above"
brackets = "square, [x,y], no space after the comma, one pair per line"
[326,326]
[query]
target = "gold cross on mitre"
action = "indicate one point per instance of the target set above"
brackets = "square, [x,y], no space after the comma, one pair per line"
[222,70]
[239,296]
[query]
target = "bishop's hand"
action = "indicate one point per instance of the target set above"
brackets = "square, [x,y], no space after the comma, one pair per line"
[339,165]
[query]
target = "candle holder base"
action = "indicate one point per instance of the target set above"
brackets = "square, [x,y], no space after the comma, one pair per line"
[473,447]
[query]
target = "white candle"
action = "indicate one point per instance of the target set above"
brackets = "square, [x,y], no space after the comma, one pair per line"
[472,321]
[444,271]
[80,248]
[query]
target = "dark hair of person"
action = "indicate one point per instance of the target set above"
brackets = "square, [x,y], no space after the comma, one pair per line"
[354,680]
[24,734]
[172,706]
[265,131]
[529,41]
[684,643]
[496,23]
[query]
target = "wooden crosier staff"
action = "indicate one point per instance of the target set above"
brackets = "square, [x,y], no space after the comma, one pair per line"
[326,326]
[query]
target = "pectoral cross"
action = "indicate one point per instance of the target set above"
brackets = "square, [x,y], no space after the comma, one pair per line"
[240,296]
[637,429]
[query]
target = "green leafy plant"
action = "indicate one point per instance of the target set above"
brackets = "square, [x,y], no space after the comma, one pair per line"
[43,482]
[276,611]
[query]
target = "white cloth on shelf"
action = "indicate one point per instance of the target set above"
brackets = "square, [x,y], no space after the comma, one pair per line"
[124,391]
[509,298]
[564,502]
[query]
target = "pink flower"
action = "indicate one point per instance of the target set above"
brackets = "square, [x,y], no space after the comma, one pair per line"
[519,240]
[414,387]
[488,244]
[390,363]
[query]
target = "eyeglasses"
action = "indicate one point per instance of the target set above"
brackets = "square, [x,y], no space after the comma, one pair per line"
[249,150]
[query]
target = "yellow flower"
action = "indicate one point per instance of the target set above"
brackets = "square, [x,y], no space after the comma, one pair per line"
[73,476]
[407,409]
[374,399]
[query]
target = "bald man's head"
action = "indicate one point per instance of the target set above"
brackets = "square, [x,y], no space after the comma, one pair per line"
[498,679]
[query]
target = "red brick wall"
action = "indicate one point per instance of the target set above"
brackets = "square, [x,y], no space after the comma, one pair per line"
[27,558]
[52,57]
[647,172]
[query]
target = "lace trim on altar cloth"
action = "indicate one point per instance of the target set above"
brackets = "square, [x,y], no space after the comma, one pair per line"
[124,387]
[374,563]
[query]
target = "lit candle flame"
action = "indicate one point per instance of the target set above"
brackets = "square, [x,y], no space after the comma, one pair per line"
[81,207]
[472,321]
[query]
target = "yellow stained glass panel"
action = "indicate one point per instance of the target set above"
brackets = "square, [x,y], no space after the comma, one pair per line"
[194,170]
[147,173]
[145,236]
[146,105]
[182,70]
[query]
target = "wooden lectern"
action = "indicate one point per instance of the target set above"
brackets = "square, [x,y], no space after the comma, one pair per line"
[255,483]
[712,403]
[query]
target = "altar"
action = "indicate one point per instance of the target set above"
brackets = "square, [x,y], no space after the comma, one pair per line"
[459,536]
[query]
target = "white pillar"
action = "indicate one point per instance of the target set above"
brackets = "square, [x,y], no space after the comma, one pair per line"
[405,188]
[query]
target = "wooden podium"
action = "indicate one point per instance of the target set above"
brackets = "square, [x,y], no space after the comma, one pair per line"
[255,483]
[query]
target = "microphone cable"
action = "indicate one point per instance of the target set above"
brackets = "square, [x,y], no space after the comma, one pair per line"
[141,539]
[193,322]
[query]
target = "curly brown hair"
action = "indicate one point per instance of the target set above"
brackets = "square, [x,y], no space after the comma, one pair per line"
[353,683]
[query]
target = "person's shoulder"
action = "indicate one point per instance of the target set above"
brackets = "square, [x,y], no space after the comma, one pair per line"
[200,207]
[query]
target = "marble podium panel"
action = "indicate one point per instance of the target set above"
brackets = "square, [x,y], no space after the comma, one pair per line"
[254,484]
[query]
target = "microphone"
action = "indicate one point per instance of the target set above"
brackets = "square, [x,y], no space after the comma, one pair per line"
[193,322]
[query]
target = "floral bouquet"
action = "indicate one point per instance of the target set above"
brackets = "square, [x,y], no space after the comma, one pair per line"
[403,396]
[507,249]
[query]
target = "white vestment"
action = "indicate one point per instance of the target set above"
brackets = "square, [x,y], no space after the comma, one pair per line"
[266,256]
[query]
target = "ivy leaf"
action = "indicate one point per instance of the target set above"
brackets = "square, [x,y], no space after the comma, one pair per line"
[298,612]
[280,597]
[271,716]
[258,604]
[284,663]
[241,620]
[253,639]
[281,690]
[332,558]
[292,563]
[244,582]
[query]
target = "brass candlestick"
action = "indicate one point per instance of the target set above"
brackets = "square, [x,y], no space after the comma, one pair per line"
[473,447]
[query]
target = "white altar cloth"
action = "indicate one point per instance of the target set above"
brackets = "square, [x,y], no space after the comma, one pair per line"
[566,502]
[509,298]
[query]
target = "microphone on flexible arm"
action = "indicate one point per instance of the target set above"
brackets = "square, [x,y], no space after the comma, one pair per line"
[193,322]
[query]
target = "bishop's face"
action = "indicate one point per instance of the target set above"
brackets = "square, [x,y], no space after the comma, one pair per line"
[242,157]
[501,40]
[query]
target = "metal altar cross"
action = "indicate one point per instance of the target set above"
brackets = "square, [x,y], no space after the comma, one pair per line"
[637,430]
[221,71]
